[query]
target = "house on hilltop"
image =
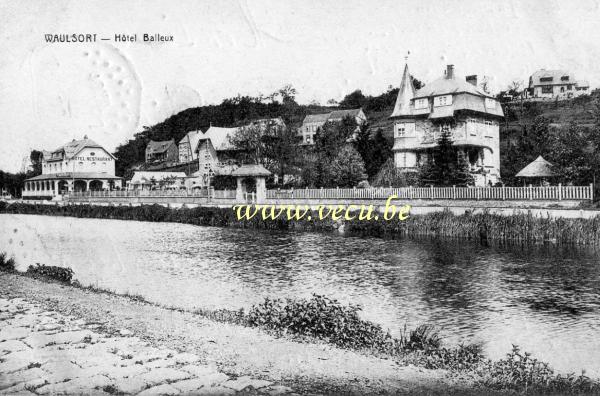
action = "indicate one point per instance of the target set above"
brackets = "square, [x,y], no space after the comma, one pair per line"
[447,104]
[556,84]
[313,122]
[165,151]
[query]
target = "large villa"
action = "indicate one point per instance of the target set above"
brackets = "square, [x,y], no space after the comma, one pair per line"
[451,104]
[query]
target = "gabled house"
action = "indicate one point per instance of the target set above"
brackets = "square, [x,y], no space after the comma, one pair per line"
[313,122]
[556,84]
[187,146]
[165,151]
[451,104]
[215,153]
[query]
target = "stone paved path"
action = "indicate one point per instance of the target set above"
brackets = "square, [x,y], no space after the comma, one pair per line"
[44,352]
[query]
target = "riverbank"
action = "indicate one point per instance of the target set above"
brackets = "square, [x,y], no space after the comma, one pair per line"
[236,351]
[519,227]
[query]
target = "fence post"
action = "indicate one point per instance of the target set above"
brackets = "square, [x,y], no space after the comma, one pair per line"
[454,192]
[321,192]
[503,195]
[431,190]
[559,191]
[591,191]
[292,192]
[477,193]
[530,192]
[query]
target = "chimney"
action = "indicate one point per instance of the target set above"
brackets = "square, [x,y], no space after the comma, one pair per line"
[472,79]
[450,72]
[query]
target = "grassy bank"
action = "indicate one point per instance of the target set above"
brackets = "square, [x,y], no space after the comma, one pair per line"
[481,226]
[322,319]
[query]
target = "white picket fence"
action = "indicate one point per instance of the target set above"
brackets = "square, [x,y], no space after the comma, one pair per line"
[548,193]
[217,194]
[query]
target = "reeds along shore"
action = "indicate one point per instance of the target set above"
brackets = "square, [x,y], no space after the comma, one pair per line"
[518,227]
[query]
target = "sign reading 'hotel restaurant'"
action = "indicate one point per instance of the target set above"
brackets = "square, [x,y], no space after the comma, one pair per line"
[92,158]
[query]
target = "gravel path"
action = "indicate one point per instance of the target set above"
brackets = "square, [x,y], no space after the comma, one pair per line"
[236,356]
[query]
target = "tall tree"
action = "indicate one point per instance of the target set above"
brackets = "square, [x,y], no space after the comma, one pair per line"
[374,150]
[347,168]
[271,145]
[445,167]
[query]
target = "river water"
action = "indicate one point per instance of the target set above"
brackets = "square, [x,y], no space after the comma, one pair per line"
[546,299]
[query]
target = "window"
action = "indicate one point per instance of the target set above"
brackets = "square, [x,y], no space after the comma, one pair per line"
[400,130]
[564,78]
[405,129]
[546,79]
[547,90]
[445,100]
[421,103]
[569,87]
[92,154]
[490,103]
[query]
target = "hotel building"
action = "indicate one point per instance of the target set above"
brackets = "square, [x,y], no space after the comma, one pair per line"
[79,165]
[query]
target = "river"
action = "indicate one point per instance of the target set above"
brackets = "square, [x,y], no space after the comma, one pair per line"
[546,299]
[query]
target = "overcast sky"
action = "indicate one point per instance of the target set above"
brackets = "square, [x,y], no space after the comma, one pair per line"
[52,93]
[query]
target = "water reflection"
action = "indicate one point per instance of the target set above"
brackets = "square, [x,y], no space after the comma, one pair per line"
[544,298]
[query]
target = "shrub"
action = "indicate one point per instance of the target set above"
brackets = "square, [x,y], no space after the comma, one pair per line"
[6,264]
[327,319]
[60,274]
[520,372]
[462,357]
[424,337]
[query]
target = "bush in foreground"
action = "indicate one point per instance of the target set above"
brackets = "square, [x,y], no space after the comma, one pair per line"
[6,264]
[327,319]
[60,274]
[520,372]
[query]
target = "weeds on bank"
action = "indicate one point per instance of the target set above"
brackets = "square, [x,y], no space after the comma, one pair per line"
[520,227]
[325,318]
[60,274]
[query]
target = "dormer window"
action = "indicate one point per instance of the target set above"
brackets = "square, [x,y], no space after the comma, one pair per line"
[421,103]
[546,79]
[445,100]
[564,78]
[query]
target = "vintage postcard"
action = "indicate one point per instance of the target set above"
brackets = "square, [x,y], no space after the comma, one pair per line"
[299,197]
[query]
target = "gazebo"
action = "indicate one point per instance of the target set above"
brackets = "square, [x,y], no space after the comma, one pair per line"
[538,169]
[259,173]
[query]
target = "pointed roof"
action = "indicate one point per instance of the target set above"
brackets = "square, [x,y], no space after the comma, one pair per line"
[405,94]
[73,148]
[538,168]
[251,170]
[219,137]
[159,147]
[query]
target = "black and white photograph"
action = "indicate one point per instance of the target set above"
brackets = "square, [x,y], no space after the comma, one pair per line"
[312,197]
